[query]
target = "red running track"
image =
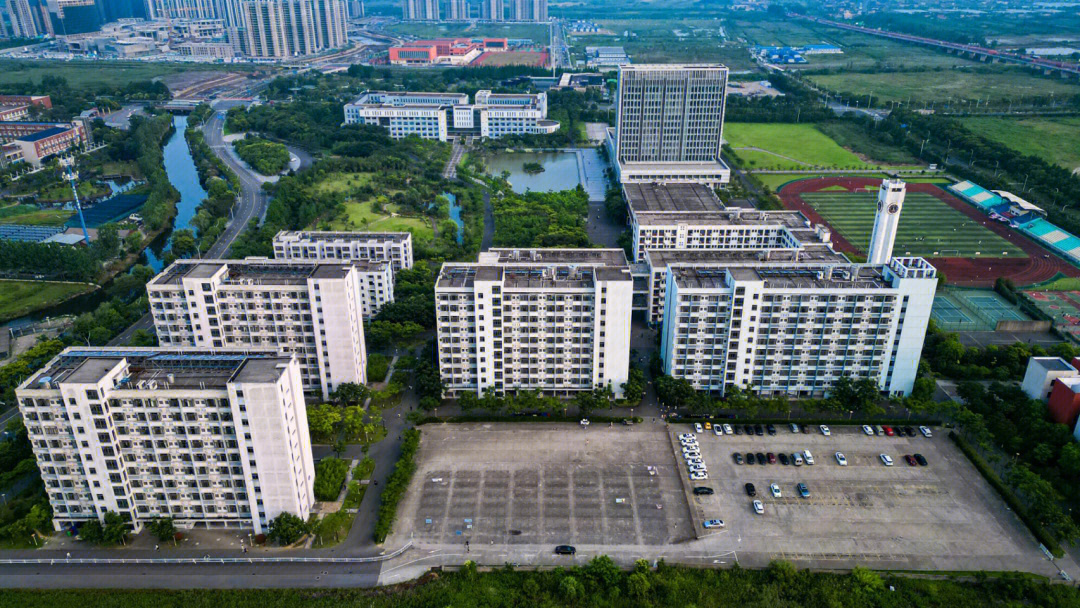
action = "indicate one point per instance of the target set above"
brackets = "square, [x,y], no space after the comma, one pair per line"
[1040,265]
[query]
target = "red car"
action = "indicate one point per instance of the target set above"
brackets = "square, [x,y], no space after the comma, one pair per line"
[889,431]
[910,460]
[771,457]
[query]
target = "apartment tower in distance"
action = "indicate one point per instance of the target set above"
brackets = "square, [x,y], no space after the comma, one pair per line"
[525,11]
[890,202]
[669,124]
[311,310]
[281,29]
[210,440]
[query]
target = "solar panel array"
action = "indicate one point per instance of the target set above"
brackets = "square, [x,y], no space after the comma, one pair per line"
[25,233]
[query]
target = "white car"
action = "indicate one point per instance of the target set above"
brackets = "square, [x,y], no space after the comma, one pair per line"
[686,436]
[841,459]
[699,476]
[794,428]
[759,507]
[925,430]
[886,460]
[697,428]
[688,443]
[714,523]
[692,454]
[728,430]
[866,428]
[825,430]
[808,457]
[717,430]
[797,459]
[693,461]
[775,489]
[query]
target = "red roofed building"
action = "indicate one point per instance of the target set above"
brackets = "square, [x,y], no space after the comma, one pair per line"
[1064,402]
[450,51]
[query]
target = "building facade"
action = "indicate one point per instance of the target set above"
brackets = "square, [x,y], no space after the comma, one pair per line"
[215,441]
[310,310]
[281,29]
[392,247]
[669,124]
[529,11]
[443,116]
[549,320]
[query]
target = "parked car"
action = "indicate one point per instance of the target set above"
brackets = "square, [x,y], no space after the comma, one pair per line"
[784,460]
[758,430]
[749,428]
[804,491]
[908,458]
[691,462]
[703,491]
[565,550]
[886,459]
[808,457]
[825,430]
[749,458]
[841,459]
[920,459]
[908,431]
[761,458]
[738,458]
[797,459]
[889,431]
[714,523]
[771,458]
[770,429]
[727,429]
[794,428]
[708,425]
[759,507]
[738,430]
[805,428]
[750,489]
[692,454]
[879,430]
[866,429]
[717,430]
[697,427]
[775,489]
[699,476]
[925,430]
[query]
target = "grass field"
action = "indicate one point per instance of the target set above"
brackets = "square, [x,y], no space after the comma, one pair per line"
[360,216]
[928,227]
[999,85]
[863,143]
[92,73]
[39,217]
[1051,139]
[775,180]
[668,41]
[342,182]
[18,298]
[788,147]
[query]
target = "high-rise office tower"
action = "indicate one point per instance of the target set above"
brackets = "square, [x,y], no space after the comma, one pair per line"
[185,9]
[669,124]
[890,202]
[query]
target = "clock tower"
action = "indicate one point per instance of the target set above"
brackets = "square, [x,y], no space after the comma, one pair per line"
[890,202]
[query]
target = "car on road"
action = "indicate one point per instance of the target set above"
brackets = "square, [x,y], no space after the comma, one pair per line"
[699,476]
[808,457]
[727,429]
[797,459]
[867,429]
[714,523]
[717,430]
[886,459]
[784,460]
[919,458]
[775,489]
[697,427]
[759,430]
[565,550]
[908,458]
[804,492]
[771,458]
[738,458]
[703,491]
[794,428]
[759,507]
[750,489]
[770,429]
[925,430]
[889,432]
[825,430]
[841,459]
[750,458]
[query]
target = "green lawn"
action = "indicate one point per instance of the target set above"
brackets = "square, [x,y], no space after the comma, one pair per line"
[93,73]
[921,88]
[360,216]
[928,227]
[39,217]
[776,180]
[342,182]
[856,138]
[1051,139]
[18,298]
[789,147]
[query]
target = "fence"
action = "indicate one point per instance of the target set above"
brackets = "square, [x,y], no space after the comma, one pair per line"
[96,561]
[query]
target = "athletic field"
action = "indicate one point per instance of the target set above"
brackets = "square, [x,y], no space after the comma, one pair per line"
[928,226]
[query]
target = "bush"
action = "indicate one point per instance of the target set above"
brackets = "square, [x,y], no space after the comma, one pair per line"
[264,156]
[286,529]
[397,484]
[377,366]
[329,477]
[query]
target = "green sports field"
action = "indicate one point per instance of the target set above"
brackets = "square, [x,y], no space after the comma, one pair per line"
[1052,139]
[928,227]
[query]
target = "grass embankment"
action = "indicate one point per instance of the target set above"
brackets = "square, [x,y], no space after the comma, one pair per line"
[18,298]
[1051,139]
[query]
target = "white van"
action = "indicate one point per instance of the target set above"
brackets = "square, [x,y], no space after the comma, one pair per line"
[808,457]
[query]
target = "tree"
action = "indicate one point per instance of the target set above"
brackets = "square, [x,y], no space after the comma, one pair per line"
[570,588]
[183,243]
[133,241]
[116,528]
[162,528]
[349,393]
[322,420]
[92,532]
[286,529]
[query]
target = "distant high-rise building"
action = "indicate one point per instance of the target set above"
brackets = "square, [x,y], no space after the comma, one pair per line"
[330,17]
[492,10]
[458,10]
[185,9]
[669,124]
[70,17]
[24,22]
[355,8]
[890,202]
[528,10]
[420,10]
[124,9]
[289,28]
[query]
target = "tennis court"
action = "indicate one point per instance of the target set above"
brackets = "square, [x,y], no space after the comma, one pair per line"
[972,310]
[947,312]
[1063,307]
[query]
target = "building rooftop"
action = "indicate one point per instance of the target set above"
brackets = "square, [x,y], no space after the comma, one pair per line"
[531,276]
[256,270]
[321,235]
[605,257]
[43,134]
[816,253]
[1052,364]
[781,276]
[793,220]
[647,198]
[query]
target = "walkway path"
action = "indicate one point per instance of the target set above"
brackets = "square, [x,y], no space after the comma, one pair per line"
[450,172]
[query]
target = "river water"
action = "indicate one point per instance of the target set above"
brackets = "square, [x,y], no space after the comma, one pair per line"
[183,175]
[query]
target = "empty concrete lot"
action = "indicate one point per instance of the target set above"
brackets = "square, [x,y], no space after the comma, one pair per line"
[544,484]
[941,516]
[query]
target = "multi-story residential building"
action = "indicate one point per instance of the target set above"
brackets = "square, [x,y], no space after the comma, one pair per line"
[529,10]
[669,124]
[443,116]
[532,11]
[210,440]
[392,247]
[420,10]
[9,112]
[550,320]
[312,310]
[39,145]
[779,330]
[25,22]
[280,29]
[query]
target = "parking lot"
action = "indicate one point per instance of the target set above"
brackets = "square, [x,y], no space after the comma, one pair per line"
[545,484]
[940,516]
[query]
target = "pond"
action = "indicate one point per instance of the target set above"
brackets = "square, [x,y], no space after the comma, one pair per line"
[183,175]
[560,170]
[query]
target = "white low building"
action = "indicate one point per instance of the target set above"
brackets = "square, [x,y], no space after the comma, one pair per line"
[393,247]
[209,440]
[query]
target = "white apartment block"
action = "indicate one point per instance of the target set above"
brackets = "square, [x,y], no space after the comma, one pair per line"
[210,440]
[669,124]
[393,247]
[775,329]
[281,29]
[310,310]
[550,320]
[443,116]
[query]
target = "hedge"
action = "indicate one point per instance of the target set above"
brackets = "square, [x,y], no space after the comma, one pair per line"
[810,420]
[526,418]
[329,476]
[1007,495]
[396,485]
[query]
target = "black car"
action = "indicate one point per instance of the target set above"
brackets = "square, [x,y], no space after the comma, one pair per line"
[565,550]
[737,429]
[783,458]
[761,458]
[910,432]
[750,489]
[703,491]
[749,429]
[758,430]
[770,429]
[738,458]
[805,428]
[749,458]
[920,459]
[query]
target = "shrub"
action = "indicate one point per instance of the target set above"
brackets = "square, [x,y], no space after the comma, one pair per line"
[377,366]
[329,476]
[397,484]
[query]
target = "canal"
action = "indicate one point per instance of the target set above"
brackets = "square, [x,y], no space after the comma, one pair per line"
[183,175]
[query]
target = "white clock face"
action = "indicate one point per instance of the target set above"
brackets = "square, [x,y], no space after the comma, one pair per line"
[893,208]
